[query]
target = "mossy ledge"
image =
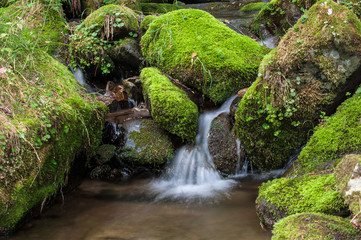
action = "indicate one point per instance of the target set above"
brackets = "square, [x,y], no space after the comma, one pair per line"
[283,197]
[307,76]
[194,47]
[314,226]
[170,106]
[46,117]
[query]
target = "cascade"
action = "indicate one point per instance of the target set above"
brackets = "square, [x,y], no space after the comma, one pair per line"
[192,174]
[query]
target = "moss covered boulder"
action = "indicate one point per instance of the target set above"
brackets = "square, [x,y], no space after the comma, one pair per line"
[90,6]
[149,8]
[253,7]
[278,16]
[314,226]
[144,25]
[46,118]
[310,73]
[336,136]
[100,35]
[194,47]
[348,181]
[283,197]
[170,106]
[146,144]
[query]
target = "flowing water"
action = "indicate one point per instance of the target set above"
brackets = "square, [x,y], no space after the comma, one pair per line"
[192,175]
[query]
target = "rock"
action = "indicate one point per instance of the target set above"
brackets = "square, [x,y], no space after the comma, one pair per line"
[90,6]
[150,8]
[147,144]
[336,136]
[348,182]
[105,153]
[127,54]
[170,106]
[145,23]
[94,43]
[116,92]
[222,145]
[113,134]
[310,72]
[282,197]
[202,53]
[133,91]
[314,226]
[123,115]
[100,172]
[257,6]
[278,16]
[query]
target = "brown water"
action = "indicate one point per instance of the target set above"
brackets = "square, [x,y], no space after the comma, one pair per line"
[100,210]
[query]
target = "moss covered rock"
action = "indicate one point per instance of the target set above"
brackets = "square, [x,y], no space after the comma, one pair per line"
[46,117]
[253,7]
[283,197]
[101,32]
[127,53]
[307,76]
[149,8]
[89,6]
[338,135]
[202,52]
[278,16]
[147,145]
[170,106]
[348,179]
[314,226]
[145,23]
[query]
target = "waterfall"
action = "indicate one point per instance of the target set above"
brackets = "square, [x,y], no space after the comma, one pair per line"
[192,174]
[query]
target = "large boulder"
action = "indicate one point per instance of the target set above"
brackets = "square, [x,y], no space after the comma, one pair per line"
[348,179]
[278,16]
[282,197]
[46,117]
[203,53]
[146,144]
[170,106]
[310,73]
[336,136]
[89,6]
[150,8]
[97,39]
[314,226]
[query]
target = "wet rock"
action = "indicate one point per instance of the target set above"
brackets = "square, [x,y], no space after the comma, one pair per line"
[298,82]
[116,92]
[100,172]
[283,197]
[123,115]
[127,53]
[236,102]
[133,91]
[222,145]
[104,154]
[147,144]
[314,226]
[348,181]
[113,134]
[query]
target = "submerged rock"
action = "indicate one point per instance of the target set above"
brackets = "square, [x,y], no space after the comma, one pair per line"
[202,52]
[348,181]
[170,106]
[282,197]
[314,226]
[222,145]
[309,74]
[146,144]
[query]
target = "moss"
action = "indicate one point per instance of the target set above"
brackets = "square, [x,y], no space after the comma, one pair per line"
[353,5]
[145,23]
[202,52]
[90,6]
[253,7]
[94,39]
[149,8]
[314,226]
[283,197]
[152,145]
[278,16]
[170,106]
[336,136]
[297,82]
[47,118]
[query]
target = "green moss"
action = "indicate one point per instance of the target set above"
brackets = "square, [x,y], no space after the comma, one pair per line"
[278,16]
[145,23]
[152,145]
[149,8]
[94,39]
[282,197]
[314,226]
[353,5]
[336,136]
[170,106]
[202,52]
[90,6]
[278,112]
[253,7]
[48,117]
